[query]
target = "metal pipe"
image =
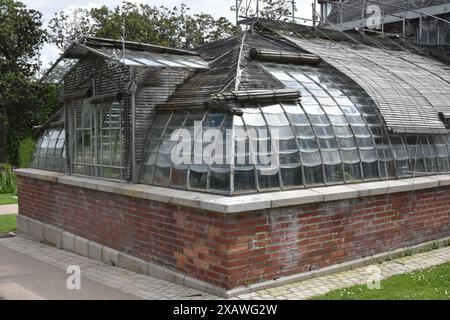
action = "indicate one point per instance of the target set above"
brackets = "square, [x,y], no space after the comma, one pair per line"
[133,139]
[257,9]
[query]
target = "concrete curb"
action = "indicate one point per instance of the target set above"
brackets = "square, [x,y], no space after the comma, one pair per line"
[45,233]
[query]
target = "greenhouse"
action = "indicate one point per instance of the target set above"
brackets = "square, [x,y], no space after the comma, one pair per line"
[261,159]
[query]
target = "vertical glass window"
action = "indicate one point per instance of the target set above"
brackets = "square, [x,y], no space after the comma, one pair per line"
[369,163]
[402,165]
[312,162]
[98,145]
[429,154]
[441,153]
[415,153]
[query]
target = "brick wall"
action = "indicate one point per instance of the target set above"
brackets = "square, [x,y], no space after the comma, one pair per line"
[234,250]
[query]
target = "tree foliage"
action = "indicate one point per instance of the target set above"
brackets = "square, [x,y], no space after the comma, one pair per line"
[278,9]
[24,103]
[175,27]
[21,36]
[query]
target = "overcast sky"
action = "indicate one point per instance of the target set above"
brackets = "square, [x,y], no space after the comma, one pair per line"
[217,8]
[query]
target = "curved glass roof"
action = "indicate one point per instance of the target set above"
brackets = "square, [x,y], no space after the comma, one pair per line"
[333,135]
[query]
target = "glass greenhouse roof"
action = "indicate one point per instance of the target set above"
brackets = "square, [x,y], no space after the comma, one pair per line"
[365,114]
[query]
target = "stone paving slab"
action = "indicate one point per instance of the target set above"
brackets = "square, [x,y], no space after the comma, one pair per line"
[150,288]
[9,209]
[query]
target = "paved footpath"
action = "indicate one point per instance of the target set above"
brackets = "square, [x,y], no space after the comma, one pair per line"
[9,209]
[115,281]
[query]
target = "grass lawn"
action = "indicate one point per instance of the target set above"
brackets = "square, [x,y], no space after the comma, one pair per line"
[427,284]
[7,199]
[8,223]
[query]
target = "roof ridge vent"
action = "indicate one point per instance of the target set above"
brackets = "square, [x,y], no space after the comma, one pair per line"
[259,95]
[284,57]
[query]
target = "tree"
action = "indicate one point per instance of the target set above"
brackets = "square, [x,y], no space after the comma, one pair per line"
[23,102]
[175,27]
[278,9]
[21,37]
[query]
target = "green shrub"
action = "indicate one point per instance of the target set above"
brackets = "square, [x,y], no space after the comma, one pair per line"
[26,151]
[7,181]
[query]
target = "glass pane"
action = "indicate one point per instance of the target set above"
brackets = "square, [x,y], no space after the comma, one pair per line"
[343,131]
[304,131]
[308,144]
[347,142]
[162,175]
[289,158]
[198,177]
[333,173]
[292,176]
[370,170]
[282,76]
[361,131]
[292,108]
[313,175]
[402,168]
[283,133]
[219,179]
[254,119]
[328,143]
[364,142]
[352,172]
[319,120]
[301,78]
[286,145]
[179,176]
[311,159]
[312,109]
[350,156]
[244,179]
[324,131]
[268,178]
[277,119]
[338,120]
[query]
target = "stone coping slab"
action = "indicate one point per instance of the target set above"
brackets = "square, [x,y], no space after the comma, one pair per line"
[245,203]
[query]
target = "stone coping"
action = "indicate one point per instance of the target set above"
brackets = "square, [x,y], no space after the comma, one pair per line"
[246,203]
